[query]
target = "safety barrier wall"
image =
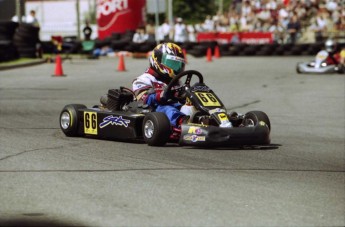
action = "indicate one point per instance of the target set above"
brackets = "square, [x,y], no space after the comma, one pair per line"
[243,49]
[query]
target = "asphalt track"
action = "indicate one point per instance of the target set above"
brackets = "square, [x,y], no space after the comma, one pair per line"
[298,180]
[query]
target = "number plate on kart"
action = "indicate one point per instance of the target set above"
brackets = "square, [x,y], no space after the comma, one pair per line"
[90,123]
[207,99]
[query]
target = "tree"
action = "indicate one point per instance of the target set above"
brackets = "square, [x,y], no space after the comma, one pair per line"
[193,11]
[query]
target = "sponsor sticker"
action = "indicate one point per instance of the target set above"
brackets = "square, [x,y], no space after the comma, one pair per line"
[194,130]
[217,110]
[194,138]
[223,117]
[114,120]
[201,88]
[197,125]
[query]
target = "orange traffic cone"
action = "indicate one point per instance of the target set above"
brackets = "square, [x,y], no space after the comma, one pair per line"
[121,66]
[185,55]
[58,66]
[209,54]
[216,52]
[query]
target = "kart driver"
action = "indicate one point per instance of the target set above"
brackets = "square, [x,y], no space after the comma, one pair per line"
[166,61]
[333,57]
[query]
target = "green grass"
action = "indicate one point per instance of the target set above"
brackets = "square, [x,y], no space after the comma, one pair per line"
[19,61]
[22,61]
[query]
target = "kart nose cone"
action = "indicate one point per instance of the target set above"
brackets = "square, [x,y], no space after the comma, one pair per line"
[65,120]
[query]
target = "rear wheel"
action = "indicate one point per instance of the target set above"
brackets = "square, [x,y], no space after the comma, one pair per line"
[156,129]
[341,69]
[253,118]
[69,119]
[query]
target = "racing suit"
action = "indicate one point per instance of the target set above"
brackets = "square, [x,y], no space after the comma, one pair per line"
[149,90]
[333,58]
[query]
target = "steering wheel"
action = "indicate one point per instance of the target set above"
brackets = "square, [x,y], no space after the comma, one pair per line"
[189,73]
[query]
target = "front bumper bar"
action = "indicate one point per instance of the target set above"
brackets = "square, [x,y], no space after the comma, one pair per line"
[202,135]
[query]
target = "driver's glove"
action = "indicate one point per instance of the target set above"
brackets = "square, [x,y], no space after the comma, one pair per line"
[160,91]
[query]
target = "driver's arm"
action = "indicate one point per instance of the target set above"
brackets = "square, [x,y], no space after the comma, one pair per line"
[149,92]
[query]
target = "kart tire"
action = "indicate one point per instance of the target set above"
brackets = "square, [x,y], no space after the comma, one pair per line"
[297,69]
[69,120]
[258,116]
[341,69]
[156,129]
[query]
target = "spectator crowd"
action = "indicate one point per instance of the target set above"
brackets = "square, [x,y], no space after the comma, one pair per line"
[290,21]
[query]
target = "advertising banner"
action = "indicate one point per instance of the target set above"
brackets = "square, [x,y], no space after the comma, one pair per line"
[244,37]
[118,16]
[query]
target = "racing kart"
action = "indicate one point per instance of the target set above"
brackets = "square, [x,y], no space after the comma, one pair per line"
[207,125]
[319,65]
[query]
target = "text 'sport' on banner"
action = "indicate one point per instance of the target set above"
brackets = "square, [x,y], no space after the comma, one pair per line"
[118,16]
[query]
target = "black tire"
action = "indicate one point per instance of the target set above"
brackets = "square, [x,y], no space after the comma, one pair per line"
[297,68]
[230,53]
[197,53]
[7,51]
[7,29]
[250,50]
[263,53]
[27,29]
[257,117]
[25,38]
[70,119]
[238,47]
[341,69]
[156,129]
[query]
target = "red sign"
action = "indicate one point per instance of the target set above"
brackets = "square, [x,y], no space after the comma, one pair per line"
[119,16]
[244,37]
[256,37]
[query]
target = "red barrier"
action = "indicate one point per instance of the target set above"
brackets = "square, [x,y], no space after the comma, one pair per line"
[206,36]
[244,37]
[256,37]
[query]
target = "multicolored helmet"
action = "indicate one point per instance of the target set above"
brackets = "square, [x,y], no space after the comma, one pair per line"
[167,60]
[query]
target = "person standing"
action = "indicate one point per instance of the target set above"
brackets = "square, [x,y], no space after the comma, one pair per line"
[165,28]
[180,31]
[87,31]
[31,19]
[293,29]
[140,36]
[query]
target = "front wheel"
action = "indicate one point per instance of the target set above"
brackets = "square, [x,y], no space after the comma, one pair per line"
[253,118]
[156,129]
[69,119]
[298,69]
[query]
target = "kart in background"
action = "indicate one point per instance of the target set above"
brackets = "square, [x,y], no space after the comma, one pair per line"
[320,65]
[208,124]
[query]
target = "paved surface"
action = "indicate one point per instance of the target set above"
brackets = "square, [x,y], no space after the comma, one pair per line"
[297,181]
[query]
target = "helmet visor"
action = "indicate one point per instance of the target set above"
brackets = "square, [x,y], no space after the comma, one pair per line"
[174,62]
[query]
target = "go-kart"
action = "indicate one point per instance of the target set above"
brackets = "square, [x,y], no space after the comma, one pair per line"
[320,65]
[209,123]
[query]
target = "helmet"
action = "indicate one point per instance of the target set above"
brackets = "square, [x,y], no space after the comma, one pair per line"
[330,46]
[167,60]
